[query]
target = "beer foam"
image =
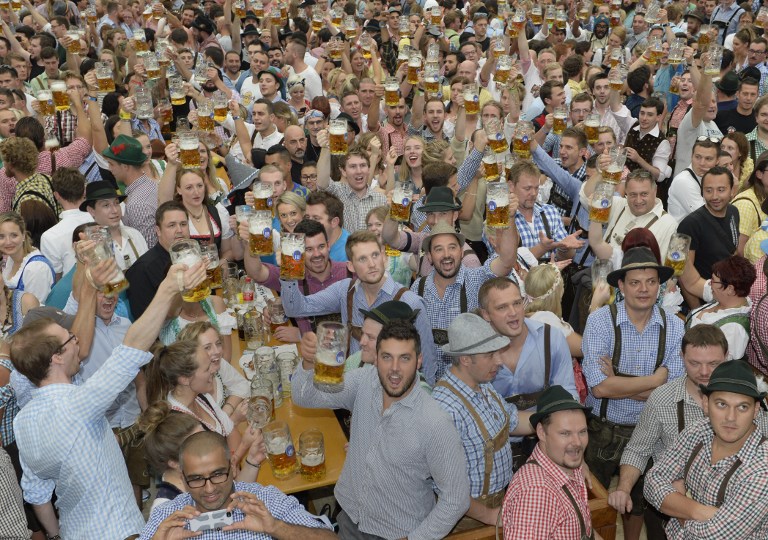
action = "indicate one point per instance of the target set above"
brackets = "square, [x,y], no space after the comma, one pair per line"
[280,445]
[313,460]
[329,357]
[190,259]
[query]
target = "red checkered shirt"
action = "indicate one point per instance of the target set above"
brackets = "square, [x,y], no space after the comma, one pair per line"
[758,328]
[536,506]
[69,156]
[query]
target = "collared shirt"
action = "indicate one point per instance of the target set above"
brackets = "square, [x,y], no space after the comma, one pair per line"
[265,143]
[56,242]
[728,17]
[442,311]
[395,458]
[140,207]
[529,232]
[486,405]
[282,507]
[392,136]
[65,443]
[536,506]
[153,131]
[744,514]
[760,145]
[638,355]
[36,187]
[355,206]
[8,406]
[13,525]
[338,272]
[333,299]
[758,329]
[133,246]
[411,242]
[663,152]
[684,195]
[40,82]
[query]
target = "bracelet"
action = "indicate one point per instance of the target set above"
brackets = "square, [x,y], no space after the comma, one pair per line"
[55,537]
[253,465]
[93,99]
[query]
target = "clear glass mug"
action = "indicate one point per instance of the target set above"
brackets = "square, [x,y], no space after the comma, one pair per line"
[280,450]
[337,133]
[265,362]
[205,115]
[60,96]
[260,237]
[497,205]
[262,196]
[677,253]
[187,251]
[602,200]
[391,92]
[330,357]
[400,209]
[312,454]
[260,406]
[176,89]
[490,163]
[242,211]
[287,361]
[213,272]
[292,248]
[189,153]
[103,250]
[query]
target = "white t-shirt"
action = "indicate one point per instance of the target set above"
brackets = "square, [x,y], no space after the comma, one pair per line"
[684,195]
[313,86]
[686,137]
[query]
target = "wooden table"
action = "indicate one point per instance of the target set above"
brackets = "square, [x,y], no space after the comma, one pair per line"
[300,419]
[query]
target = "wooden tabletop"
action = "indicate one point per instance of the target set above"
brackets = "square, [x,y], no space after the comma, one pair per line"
[300,419]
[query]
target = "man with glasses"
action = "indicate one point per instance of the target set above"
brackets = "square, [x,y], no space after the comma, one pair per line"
[64,439]
[685,194]
[756,59]
[257,511]
[315,121]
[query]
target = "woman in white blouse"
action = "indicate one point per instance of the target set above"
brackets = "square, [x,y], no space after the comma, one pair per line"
[24,267]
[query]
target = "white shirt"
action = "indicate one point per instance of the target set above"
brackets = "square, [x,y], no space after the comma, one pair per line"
[660,158]
[226,230]
[38,278]
[686,137]
[684,195]
[313,86]
[253,87]
[264,144]
[56,242]
[132,247]
[531,79]
[236,150]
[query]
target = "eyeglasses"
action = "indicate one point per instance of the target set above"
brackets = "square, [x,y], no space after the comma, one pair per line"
[71,338]
[308,176]
[753,51]
[722,284]
[198,482]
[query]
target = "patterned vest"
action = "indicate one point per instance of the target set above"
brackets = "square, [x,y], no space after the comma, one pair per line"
[646,147]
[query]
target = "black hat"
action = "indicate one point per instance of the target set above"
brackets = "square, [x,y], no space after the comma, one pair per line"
[729,84]
[750,72]
[636,259]
[204,24]
[250,15]
[372,25]
[307,3]
[440,199]
[733,376]
[387,311]
[350,121]
[250,30]
[697,14]
[554,399]
[99,190]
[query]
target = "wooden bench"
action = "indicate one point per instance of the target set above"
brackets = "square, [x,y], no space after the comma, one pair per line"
[603,518]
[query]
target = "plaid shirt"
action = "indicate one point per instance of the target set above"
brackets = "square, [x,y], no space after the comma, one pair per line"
[13,526]
[758,329]
[390,133]
[760,147]
[486,407]
[580,174]
[40,184]
[8,406]
[530,237]
[638,355]
[442,311]
[140,207]
[744,513]
[536,506]
[355,207]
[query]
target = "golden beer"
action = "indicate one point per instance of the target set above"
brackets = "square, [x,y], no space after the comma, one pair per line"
[703,41]
[260,243]
[290,267]
[115,288]
[214,277]
[521,146]
[472,106]
[584,14]
[550,18]
[178,99]
[591,131]
[106,85]
[559,125]
[431,86]
[157,11]
[336,54]
[283,12]
[497,216]
[73,46]
[284,464]
[312,467]
[391,96]
[16,5]
[501,76]
[317,25]
[338,142]
[391,252]
[560,23]
[201,292]
[166,115]
[91,16]
[153,73]
[60,96]
[220,113]
[258,10]
[498,51]
[413,74]
[490,171]
[401,211]
[599,214]
[260,203]
[328,373]
[190,157]
[336,18]
[45,99]
[140,45]
[674,86]
[205,123]
[512,30]
[239,11]
[616,84]
[676,261]
[536,17]
[436,16]
[498,144]
[613,173]
[146,15]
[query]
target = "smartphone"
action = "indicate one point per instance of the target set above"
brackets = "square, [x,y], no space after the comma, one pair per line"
[211,521]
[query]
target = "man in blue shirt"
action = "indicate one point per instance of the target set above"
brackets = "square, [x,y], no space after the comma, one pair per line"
[328,210]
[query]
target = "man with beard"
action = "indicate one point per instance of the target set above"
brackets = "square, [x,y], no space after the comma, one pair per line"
[613,113]
[427,119]
[402,444]
[275,55]
[295,142]
[451,66]
[394,132]
[713,482]
[450,288]
[204,33]
[373,285]
[231,68]
[353,189]
[622,367]
[670,408]
[320,273]
[547,498]
[536,358]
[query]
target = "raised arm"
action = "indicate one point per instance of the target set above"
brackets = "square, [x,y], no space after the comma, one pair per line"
[167,184]
[324,161]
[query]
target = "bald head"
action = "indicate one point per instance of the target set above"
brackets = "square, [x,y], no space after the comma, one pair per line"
[202,444]
[467,69]
[295,142]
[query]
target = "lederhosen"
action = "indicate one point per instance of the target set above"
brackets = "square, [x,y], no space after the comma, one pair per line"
[356,332]
[331,317]
[440,335]
[523,449]
[492,445]
[619,241]
[582,523]
[724,25]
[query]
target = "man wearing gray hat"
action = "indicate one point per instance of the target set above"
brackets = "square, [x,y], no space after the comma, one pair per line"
[713,481]
[482,417]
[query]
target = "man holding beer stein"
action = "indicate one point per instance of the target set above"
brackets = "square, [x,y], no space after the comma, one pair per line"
[480,414]
[402,445]
[451,289]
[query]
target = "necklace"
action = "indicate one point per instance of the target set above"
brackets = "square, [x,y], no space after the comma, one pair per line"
[197,218]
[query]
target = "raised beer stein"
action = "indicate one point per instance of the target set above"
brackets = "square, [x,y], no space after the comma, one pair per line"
[713,64]
[337,135]
[176,88]
[592,127]
[471,98]
[220,103]
[350,28]
[151,65]
[495,133]
[103,251]
[503,68]
[602,199]
[330,357]
[312,454]
[490,166]
[213,272]
[280,450]
[189,152]
[73,46]
[205,115]
[260,229]
[140,40]
[391,92]
[400,210]
[677,253]
[105,77]
[45,100]
[599,272]
[497,205]
[522,140]
[414,66]
[187,251]
[144,107]
[561,119]
[242,211]
[60,96]
[262,196]
[292,249]
[264,359]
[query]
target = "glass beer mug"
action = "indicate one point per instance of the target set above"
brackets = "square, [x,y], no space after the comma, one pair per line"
[260,229]
[103,251]
[187,251]
[213,272]
[105,77]
[677,253]
[522,141]
[400,210]
[280,450]
[292,249]
[176,88]
[220,103]
[503,68]
[337,132]
[45,100]
[189,153]
[560,120]
[260,407]
[391,92]
[262,196]
[242,211]
[497,204]
[205,115]
[312,454]
[330,357]
[60,96]
[592,128]
[471,98]
[414,65]
[602,199]
[490,166]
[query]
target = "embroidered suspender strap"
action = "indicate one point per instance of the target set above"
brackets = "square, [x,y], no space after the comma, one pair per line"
[607,237]
[680,415]
[724,484]
[491,445]
[440,335]
[582,523]
[524,402]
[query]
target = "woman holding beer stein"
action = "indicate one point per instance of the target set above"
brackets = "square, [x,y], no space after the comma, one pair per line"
[411,164]
[183,375]
[216,181]
[24,268]
[165,429]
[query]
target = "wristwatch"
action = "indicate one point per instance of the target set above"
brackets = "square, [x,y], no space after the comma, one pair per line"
[57,537]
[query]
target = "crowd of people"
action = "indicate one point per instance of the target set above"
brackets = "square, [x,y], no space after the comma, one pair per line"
[544,226]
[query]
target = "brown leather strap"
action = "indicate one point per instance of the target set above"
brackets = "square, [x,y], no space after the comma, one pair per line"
[524,402]
[491,445]
[689,463]
[680,415]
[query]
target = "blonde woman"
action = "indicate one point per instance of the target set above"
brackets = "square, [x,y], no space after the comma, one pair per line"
[290,208]
[154,168]
[411,165]
[24,268]
[109,56]
[211,169]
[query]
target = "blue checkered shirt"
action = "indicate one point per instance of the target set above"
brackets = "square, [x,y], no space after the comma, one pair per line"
[282,507]
[530,238]
[638,355]
[487,408]
[442,311]
[8,407]
[333,299]
[65,443]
